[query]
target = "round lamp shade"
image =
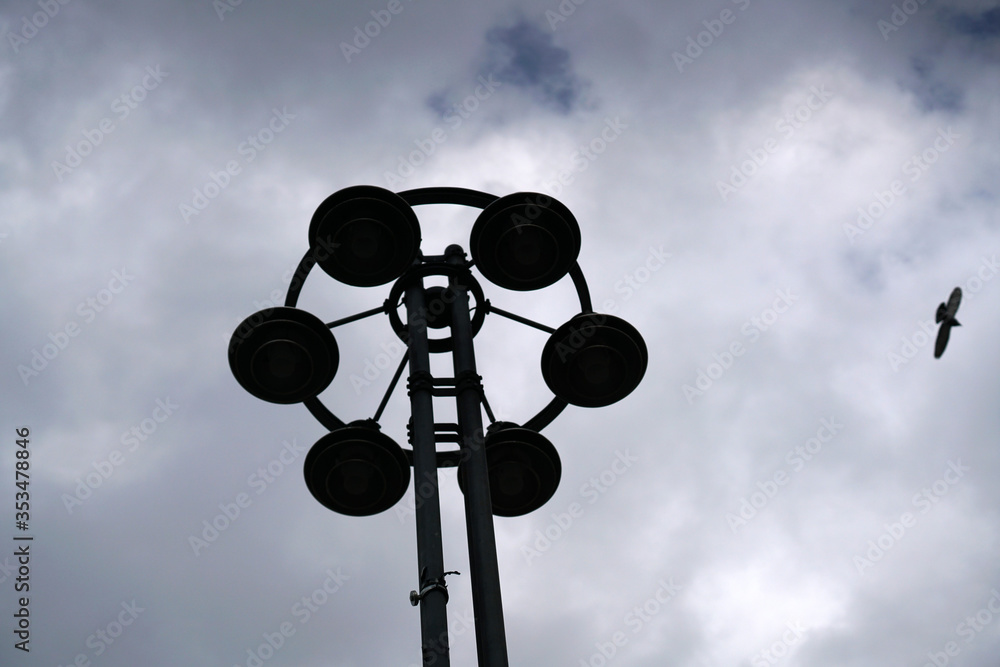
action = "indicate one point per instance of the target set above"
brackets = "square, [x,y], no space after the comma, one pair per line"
[594,360]
[524,470]
[283,355]
[357,470]
[525,241]
[364,235]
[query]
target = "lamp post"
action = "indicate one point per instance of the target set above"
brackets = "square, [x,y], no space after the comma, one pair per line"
[367,236]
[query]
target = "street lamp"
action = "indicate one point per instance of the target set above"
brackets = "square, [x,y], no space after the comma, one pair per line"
[520,244]
[283,355]
[373,232]
[524,469]
[367,236]
[357,470]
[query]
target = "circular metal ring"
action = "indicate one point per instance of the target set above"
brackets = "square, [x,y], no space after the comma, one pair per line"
[438,196]
[436,344]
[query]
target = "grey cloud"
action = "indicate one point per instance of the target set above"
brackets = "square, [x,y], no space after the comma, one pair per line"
[165,336]
[983,25]
[525,55]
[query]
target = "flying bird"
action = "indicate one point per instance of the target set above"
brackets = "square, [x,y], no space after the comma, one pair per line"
[946,316]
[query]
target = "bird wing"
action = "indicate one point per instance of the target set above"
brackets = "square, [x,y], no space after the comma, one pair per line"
[942,340]
[954,300]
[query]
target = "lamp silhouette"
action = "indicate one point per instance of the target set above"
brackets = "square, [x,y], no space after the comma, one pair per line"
[525,241]
[594,360]
[372,235]
[357,470]
[524,469]
[283,355]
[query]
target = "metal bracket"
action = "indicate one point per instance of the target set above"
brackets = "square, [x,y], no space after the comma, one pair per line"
[428,585]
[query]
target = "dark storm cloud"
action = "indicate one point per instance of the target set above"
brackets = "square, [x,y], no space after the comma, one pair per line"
[525,56]
[983,25]
[933,93]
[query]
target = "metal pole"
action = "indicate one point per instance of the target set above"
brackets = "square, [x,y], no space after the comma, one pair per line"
[430,557]
[491,639]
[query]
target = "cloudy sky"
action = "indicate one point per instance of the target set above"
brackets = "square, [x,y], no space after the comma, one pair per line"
[776,194]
